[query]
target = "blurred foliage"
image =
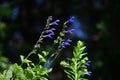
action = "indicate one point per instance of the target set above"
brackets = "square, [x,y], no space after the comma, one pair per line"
[6,10]
[101,26]
[3,63]
[3,29]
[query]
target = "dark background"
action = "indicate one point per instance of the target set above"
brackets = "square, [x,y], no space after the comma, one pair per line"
[97,22]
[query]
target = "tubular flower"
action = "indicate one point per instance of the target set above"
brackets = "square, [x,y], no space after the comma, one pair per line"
[55,22]
[50,31]
[88,73]
[87,63]
[49,35]
[71,19]
[70,31]
[67,42]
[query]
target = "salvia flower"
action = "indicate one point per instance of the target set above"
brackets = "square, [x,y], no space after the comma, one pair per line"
[49,35]
[71,19]
[55,22]
[87,63]
[51,30]
[67,42]
[88,73]
[70,31]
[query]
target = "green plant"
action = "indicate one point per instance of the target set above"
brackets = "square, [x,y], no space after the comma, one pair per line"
[76,67]
[39,71]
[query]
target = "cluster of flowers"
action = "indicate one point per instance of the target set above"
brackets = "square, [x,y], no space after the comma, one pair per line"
[51,31]
[66,42]
[88,64]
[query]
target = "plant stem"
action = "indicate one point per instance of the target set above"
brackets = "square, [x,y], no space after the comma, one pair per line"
[37,45]
[76,69]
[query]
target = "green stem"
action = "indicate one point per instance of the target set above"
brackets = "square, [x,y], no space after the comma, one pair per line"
[37,45]
[76,76]
[57,53]
[40,38]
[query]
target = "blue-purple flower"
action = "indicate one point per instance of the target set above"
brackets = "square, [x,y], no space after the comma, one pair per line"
[88,73]
[71,19]
[51,33]
[51,30]
[67,42]
[87,63]
[70,31]
[55,22]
